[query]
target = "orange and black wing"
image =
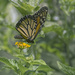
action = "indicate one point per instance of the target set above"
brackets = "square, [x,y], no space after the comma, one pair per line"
[39,18]
[30,25]
[26,27]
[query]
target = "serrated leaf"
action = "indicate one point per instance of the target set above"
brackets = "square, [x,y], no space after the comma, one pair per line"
[66,69]
[6,61]
[23,7]
[38,62]
[10,63]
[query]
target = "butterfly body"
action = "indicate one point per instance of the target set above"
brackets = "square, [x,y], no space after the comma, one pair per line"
[30,25]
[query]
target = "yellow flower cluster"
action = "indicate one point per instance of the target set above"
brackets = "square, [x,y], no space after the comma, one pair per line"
[22,45]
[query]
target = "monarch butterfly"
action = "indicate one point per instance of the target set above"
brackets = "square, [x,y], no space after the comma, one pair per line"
[30,25]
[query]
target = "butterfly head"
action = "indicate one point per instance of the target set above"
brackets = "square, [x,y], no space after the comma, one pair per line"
[30,41]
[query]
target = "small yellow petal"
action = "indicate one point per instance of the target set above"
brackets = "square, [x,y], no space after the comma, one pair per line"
[20,45]
[28,45]
[24,44]
[16,43]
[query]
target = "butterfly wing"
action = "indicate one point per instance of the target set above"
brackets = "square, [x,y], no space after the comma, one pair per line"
[29,26]
[26,27]
[39,18]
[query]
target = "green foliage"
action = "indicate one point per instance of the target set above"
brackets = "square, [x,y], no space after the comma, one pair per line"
[3,4]
[10,63]
[67,5]
[26,7]
[21,67]
[23,8]
[55,42]
[66,69]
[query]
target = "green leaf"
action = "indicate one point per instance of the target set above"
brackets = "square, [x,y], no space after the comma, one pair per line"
[36,8]
[67,6]
[22,68]
[3,4]
[38,62]
[23,7]
[45,68]
[10,63]
[66,69]
[20,56]
[6,61]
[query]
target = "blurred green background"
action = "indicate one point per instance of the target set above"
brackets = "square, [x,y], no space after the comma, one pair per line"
[55,42]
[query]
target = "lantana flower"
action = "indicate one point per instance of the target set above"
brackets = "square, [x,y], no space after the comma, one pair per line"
[22,45]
